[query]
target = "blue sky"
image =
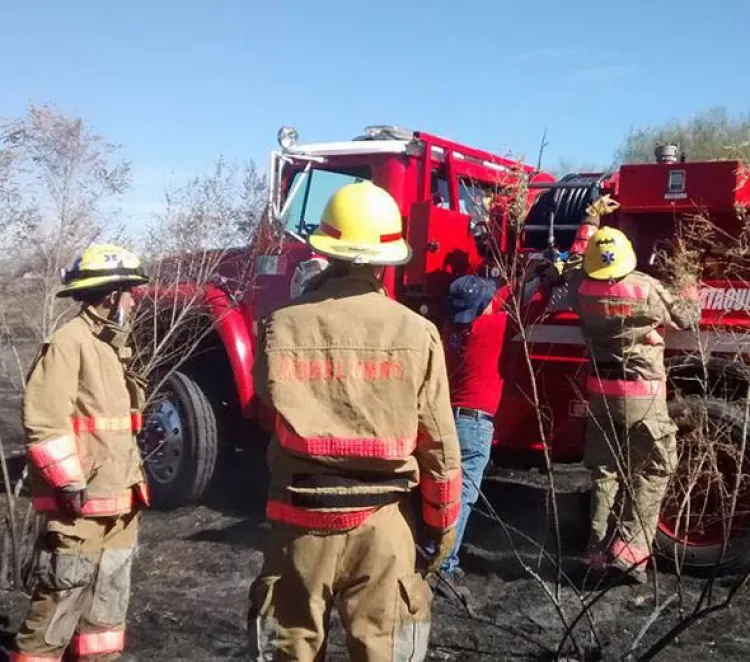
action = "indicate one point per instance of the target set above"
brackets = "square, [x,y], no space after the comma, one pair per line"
[179,82]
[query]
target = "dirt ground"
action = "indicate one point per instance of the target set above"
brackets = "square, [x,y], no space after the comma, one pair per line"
[195,565]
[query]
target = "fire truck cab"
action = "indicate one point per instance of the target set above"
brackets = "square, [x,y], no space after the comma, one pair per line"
[442,188]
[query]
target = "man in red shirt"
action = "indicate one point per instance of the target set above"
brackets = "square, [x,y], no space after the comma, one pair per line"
[473,338]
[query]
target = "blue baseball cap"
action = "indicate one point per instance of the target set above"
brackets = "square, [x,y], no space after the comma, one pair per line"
[468,296]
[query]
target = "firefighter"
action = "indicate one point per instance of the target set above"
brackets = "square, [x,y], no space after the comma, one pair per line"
[363,418]
[630,439]
[81,410]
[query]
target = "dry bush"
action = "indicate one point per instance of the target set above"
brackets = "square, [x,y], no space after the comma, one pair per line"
[198,251]
[512,269]
[708,492]
[216,211]
[711,134]
[57,176]
[711,480]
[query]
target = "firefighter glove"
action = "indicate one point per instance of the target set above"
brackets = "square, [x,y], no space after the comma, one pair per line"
[602,206]
[440,544]
[70,500]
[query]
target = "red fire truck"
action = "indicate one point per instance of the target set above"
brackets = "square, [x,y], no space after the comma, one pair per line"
[443,189]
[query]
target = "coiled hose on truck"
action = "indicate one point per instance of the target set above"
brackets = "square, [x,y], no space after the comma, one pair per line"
[565,206]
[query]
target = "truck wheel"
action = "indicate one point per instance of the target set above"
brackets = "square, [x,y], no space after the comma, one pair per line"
[180,442]
[697,515]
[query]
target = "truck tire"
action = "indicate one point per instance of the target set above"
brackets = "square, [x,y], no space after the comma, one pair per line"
[183,421]
[692,530]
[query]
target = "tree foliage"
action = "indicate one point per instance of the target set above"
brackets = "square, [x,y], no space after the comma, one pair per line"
[55,175]
[711,134]
[200,248]
[566,166]
[213,211]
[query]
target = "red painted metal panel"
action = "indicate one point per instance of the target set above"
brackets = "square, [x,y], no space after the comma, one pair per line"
[479,154]
[239,342]
[443,248]
[450,175]
[683,187]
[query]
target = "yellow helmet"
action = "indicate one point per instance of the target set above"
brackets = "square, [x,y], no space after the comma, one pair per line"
[609,255]
[362,224]
[102,267]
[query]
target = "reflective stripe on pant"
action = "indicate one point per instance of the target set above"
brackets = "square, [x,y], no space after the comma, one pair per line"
[82,589]
[631,450]
[370,574]
[15,656]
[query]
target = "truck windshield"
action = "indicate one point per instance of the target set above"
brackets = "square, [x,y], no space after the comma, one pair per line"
[305,210]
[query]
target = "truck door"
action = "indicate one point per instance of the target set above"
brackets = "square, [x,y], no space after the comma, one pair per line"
[440,232]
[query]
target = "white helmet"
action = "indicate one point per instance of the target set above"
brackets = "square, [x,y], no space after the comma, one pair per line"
[304,273]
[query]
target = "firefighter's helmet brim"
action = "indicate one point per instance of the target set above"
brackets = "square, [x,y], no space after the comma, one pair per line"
[394,253]
[361,223]
[101,284]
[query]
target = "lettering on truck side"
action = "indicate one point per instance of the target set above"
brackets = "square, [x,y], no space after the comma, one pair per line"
[713,298]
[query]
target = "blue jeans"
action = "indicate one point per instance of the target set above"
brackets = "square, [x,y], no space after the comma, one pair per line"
[475,439]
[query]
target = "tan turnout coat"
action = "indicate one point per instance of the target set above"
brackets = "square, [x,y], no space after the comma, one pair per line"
[81,410]
[360,390]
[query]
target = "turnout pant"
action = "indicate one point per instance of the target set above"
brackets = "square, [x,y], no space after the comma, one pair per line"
[368,573]
[82,590]
[631,451]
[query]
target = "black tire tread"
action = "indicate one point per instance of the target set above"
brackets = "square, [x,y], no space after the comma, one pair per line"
[702,558]
[201,445]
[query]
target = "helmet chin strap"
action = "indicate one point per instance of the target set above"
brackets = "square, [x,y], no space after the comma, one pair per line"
[379,280]
[117,315]
[115,332]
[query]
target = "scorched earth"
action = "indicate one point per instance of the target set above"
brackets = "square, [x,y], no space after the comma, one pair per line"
[195,565]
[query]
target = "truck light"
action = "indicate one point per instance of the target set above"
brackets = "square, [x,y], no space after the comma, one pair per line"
[287,137]
[667,153]
[388,131]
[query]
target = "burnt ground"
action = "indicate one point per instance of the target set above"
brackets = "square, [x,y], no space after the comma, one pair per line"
[195,565]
